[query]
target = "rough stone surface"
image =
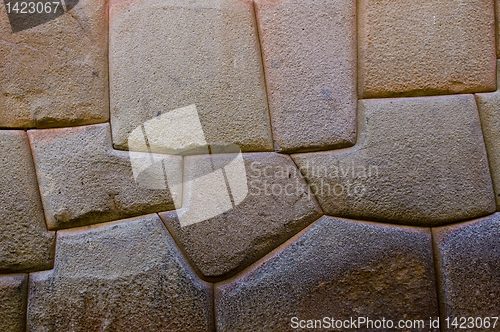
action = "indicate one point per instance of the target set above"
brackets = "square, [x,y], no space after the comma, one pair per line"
[276,206]
[489,112]
[309,52]
[409,48]
[25,243]
[120,276]
[467,257]
[55,74]
[84,181]
[337,268]
[13,294]
[418,161]
[202,52]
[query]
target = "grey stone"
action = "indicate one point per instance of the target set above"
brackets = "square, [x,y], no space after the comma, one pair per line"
[13,298]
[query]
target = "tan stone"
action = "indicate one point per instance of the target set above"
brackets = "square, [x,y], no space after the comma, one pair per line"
[25,243]
[119,276]
[167,55]
[84,181]
[467,257]
[13,298]
[268,202]
[418,161]
[414,48]
[337,268]
[309,52]
[55,74]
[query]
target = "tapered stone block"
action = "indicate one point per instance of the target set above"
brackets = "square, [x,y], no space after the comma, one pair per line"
[120,276]
[84,181]
[418,161]
[337,269]
[54,69]
[13,298]
[309,52]
[415,48]
[25,243]
[167,55]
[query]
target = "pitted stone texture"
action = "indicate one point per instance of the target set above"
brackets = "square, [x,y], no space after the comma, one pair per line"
[418,161]
[337,268]
[489,112]
[309,52]
[120,276]
[277,205]
[84,181]
[25,243]
[415,48]
[13,295]
[55,74]
[467,257]
[168,54]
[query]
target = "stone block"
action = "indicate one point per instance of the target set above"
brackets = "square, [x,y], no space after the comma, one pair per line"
[13,298]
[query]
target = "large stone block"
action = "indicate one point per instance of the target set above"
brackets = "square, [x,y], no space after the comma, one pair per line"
[56,73]
[13,298]
[467,257]
[25,243]
[268,202]
[84,181]
[119,276]
[414,48]
[169,54]
[337,268]
[309,52]
[418,161]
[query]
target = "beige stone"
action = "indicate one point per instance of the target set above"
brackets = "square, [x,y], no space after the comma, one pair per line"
[119,276]
[309,53]
[418,161]
[84,181]
[337,268]
[237,208]
[25,243]
[169,54]
[414,48]
[467,257]
[13,298]
[55,74]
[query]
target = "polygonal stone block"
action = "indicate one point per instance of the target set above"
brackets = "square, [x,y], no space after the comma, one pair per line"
[54,70]
[13,298]
[337,269]
[120,276]
[309,52]
[418,161]
[415,48]
[467,257]
[84,181]
[25,243]
[168,54]
[237,208]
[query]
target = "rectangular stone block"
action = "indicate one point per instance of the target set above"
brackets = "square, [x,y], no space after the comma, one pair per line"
[309,52]
[13,298]
[414,48]
[53,70]
[166,55]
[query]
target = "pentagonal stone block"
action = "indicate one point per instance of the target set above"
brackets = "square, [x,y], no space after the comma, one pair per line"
[414,48]
[55,74]
[418,161]
[120,276]
[338,268]
[84,181]
[237,208]
[25,243]
[309,52]
[167,55]
[467,262]
[13,298]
